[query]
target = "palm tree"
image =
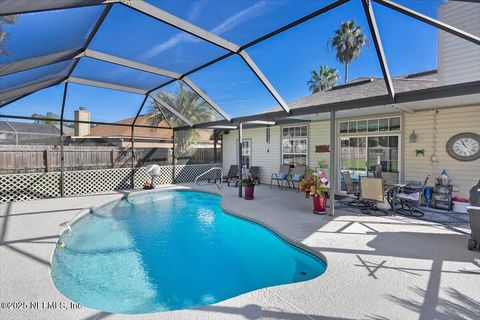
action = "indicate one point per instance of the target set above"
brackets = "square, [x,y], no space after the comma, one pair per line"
[348,43]
[323,80]
[49,115]
[3,34]
[190,105]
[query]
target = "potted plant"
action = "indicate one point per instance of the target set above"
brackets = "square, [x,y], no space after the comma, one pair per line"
[249,186]
[323,165]
[315,187]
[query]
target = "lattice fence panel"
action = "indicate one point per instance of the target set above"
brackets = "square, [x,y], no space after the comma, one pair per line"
[95,181]
[188,173]
[166,176]
[29,186]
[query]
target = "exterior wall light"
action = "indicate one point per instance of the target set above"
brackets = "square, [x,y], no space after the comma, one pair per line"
[413,137]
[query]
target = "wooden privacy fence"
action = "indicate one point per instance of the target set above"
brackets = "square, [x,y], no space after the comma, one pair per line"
[33,158]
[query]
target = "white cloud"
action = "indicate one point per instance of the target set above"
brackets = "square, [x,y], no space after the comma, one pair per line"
[228,24]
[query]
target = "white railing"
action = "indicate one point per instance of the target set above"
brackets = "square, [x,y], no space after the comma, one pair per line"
[220,182]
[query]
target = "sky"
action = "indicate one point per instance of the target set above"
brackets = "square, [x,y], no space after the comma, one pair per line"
[286,59]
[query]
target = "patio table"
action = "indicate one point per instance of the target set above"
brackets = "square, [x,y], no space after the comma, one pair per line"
[392,189]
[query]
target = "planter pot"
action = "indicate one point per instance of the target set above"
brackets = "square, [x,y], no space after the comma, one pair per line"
[248,190]
[320,205]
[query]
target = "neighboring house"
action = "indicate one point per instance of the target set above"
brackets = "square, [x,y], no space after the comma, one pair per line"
[111,135]
[25,133]
[381,134]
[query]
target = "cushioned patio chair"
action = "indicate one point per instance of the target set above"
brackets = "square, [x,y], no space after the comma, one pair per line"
[352,189]
[410,198]
[372,193]
[281,176]
[231,174]
[296,175]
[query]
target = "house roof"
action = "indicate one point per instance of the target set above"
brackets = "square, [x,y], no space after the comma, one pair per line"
[142,120]
[367,87]
[26,127]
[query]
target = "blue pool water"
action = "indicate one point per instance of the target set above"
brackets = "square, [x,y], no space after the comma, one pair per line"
[171,250]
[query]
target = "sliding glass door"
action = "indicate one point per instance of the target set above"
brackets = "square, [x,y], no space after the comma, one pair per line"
[361,154]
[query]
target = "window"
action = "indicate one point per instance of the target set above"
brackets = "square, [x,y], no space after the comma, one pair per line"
[246,153]
[362,126]
[295,145]
[370,125]
[267,135]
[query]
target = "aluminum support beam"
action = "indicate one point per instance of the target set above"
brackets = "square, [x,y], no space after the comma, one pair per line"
[106,85]
[35,62]
[240,171]
[147,68]
[185,26]
[132,145]
[163,113]
[19,93]
[171,109]
[62,154]
[130,64]
[431,21]
[205,97]
[181,24]
[174,161]
[367,7]
[263,79]
[333,162]
[453,90]
[295,23]
[9,116]
[139,110]
[92,34]
[10,7]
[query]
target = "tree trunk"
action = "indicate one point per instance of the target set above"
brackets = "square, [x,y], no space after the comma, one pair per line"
[346,72]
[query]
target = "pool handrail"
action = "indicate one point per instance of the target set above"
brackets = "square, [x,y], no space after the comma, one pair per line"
[219,184]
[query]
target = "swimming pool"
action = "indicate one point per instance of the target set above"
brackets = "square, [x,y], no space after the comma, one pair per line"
[171,250]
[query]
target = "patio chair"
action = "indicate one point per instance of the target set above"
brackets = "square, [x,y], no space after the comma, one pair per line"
[254,172]
[231,174]
[409,198]
[352,188]
[297,174]
[281,176]
[372,193]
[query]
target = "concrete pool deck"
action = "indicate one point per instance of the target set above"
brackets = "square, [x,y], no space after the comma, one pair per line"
[378,267]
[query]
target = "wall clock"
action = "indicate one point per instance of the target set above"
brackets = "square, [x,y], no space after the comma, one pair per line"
[464,146]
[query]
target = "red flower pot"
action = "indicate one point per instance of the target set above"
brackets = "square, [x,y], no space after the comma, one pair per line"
[320,204]
[248,190]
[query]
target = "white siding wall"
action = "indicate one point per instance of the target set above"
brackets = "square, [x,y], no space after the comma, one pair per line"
[458,59]
[264,155]
[319,134]
[268,156]
[449,122]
